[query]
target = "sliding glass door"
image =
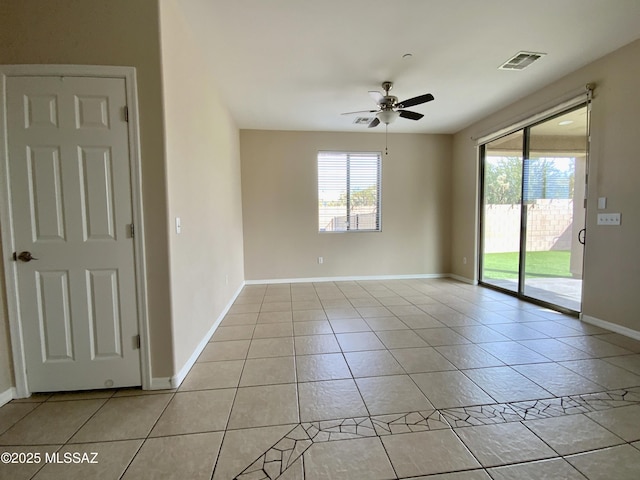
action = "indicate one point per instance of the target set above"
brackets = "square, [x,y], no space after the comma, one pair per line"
[554,191]
[533,190]
[501,212]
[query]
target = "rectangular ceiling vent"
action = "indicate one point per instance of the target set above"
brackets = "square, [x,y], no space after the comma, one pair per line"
[521,60]
[363,120]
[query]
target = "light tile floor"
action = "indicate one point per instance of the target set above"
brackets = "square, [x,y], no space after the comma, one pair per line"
[421,379]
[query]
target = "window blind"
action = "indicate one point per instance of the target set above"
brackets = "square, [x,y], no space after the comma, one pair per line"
[349,191]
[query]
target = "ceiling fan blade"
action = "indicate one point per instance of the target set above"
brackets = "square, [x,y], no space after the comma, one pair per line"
[374,123]
[410,115]
[416,101]
[359,111]
[377,96]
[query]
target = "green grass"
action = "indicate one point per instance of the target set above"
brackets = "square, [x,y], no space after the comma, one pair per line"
[538,265]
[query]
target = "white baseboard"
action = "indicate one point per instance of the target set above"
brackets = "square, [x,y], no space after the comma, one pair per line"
[7,396]
[177,379]
[614,327]
[160,383]
[347,279]
[463,279]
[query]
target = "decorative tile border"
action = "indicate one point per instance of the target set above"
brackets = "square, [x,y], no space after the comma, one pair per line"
[278,458]
[537,409]
[480,415]
[344,429]
[409,422]
[275,461]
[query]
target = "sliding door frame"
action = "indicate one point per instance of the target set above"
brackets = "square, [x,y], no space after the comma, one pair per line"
[525,127]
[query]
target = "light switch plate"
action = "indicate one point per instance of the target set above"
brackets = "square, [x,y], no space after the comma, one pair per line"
[602,203]
[178,225]
[608,219]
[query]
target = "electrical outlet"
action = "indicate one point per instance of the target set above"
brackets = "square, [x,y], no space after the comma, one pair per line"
[608,219]
[464,260]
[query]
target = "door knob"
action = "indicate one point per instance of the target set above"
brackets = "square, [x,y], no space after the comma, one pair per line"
[23,256]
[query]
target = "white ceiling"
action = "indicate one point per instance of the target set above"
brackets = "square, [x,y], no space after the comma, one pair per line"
[297,64]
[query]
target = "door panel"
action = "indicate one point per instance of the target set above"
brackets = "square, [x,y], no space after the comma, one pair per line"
[71,208]
[92,111]
[554,179]
[104,315]
[40,110]
[45,189]
[502,188]
[54,314]
[97,193]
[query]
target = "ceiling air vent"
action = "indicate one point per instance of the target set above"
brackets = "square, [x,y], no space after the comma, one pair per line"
[363,120]
[521,60]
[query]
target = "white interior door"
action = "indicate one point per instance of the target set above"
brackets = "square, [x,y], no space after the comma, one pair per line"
[71,208]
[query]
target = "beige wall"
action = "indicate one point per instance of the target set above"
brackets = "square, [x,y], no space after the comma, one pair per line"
[203,186]
[280,207]
[612,261]
[114,32]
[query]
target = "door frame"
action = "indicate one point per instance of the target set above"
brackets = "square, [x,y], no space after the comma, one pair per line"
[128,74]
[584,99]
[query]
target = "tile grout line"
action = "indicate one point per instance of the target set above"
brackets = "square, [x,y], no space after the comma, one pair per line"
[353,378]
[92,416]
[144,440]
[235,395]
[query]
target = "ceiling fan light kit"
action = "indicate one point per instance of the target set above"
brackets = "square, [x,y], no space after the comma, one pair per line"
[388,116]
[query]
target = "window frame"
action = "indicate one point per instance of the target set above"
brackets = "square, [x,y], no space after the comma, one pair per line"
[378,206]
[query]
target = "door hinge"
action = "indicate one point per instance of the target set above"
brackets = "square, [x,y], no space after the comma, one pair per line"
[126,113]
[136,342]
[132,230]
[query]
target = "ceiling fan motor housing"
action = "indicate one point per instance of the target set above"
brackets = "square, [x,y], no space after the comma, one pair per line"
[388,102]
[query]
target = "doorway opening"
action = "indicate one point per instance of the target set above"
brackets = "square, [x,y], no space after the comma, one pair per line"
[533,187]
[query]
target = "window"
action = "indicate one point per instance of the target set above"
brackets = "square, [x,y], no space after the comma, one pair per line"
[349,191]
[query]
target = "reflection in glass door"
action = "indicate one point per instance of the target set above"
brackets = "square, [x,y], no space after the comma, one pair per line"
[533,190]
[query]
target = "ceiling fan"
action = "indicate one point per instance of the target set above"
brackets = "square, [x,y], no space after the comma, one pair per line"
[389,108]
